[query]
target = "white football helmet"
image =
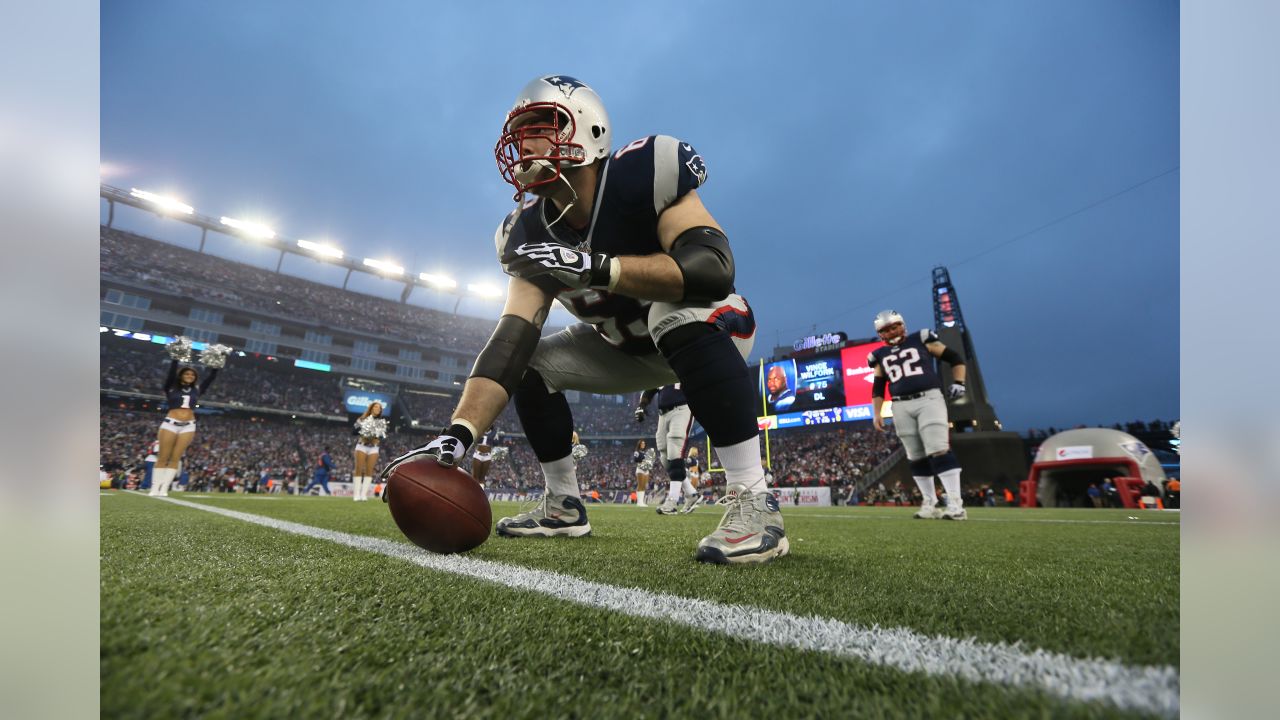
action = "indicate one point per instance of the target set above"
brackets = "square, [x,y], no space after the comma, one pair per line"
[890,326]
[562,109]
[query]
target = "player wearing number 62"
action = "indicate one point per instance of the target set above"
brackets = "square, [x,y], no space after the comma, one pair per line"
[919,409]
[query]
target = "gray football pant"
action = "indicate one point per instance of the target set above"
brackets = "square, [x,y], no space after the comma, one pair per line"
[922,426]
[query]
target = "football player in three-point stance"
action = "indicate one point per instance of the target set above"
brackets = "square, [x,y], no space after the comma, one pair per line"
[919,409]
[622,240]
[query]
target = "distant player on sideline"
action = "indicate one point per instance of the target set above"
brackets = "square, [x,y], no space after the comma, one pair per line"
[321,476]
[919,409]
[150,463]
[674,421]
[643,459]
[693,481]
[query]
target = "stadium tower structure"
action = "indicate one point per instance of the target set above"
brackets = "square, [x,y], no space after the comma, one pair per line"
[974,410]
[988,454]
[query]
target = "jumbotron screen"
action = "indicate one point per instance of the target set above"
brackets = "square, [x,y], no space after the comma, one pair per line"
[828,387]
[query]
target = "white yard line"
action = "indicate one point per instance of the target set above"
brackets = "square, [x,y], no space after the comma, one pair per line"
[1144,688]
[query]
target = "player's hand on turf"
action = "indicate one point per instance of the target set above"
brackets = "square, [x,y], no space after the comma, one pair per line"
[639,414]
[956,391]
[575,269]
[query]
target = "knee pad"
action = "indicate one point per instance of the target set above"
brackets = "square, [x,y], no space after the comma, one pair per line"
[545,417]
[921,468]
[675,470]
[732,315]
[944,462]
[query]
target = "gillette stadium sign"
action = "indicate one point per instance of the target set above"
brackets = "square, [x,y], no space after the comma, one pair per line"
[819,342]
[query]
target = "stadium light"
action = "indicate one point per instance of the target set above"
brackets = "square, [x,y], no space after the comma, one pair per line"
[251,229]
[164,202]
[321,249]
[386,267]
[439,281]
[484,290]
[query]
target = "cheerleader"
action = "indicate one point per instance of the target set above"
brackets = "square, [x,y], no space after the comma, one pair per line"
[182,394]
[482,458]
[644,464]
[371,427]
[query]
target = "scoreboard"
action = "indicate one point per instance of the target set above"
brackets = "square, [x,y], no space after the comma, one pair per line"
[828,387]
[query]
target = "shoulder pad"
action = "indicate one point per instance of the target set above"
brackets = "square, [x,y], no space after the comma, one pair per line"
[655,171]
[503,232]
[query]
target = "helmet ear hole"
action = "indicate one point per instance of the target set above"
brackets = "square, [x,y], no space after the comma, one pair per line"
[596,131]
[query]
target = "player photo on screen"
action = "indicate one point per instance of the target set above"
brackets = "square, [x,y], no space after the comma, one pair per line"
[780,386]
[818,383]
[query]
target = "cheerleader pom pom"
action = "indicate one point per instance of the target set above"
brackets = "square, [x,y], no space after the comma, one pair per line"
[179,349]
[214,357]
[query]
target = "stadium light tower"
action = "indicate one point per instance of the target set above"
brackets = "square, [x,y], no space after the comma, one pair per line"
[164,203]
[258,231]
[384,266]
[974,410]
[440,282]
[321,249]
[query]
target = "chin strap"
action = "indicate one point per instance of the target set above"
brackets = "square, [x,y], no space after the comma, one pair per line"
[568,205]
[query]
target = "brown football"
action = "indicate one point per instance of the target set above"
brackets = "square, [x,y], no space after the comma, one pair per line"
[439,508]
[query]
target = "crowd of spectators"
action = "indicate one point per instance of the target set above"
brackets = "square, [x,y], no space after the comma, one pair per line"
[128,256]
[233,453]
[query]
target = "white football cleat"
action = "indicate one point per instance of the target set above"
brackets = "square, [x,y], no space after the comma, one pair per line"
[955,513]
[928,512]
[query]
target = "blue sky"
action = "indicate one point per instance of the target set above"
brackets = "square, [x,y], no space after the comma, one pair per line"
[1030,147]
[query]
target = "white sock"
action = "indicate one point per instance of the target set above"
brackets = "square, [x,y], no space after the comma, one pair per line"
[673,491]
[639,497]
[357,482]
[688,489]
[366,487]
[164,476]
[927,489]
[951,483]
[561,476]
[741,463]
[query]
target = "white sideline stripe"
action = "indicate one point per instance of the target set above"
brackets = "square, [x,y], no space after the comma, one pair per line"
[1144,688]
[1005,520]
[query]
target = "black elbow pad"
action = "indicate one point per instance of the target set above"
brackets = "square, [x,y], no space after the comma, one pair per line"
[706,262]
[506,355]
[877,387]
[951,357]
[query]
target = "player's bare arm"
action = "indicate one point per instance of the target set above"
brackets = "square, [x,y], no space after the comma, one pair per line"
[659,276]
[483,397]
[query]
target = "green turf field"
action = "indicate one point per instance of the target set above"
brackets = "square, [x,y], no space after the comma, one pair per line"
[209,615]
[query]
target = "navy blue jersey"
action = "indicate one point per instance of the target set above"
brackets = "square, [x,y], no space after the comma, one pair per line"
[908,365]
[635,185]
[178,395]
[489,438]
[671,396]
[691,465]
